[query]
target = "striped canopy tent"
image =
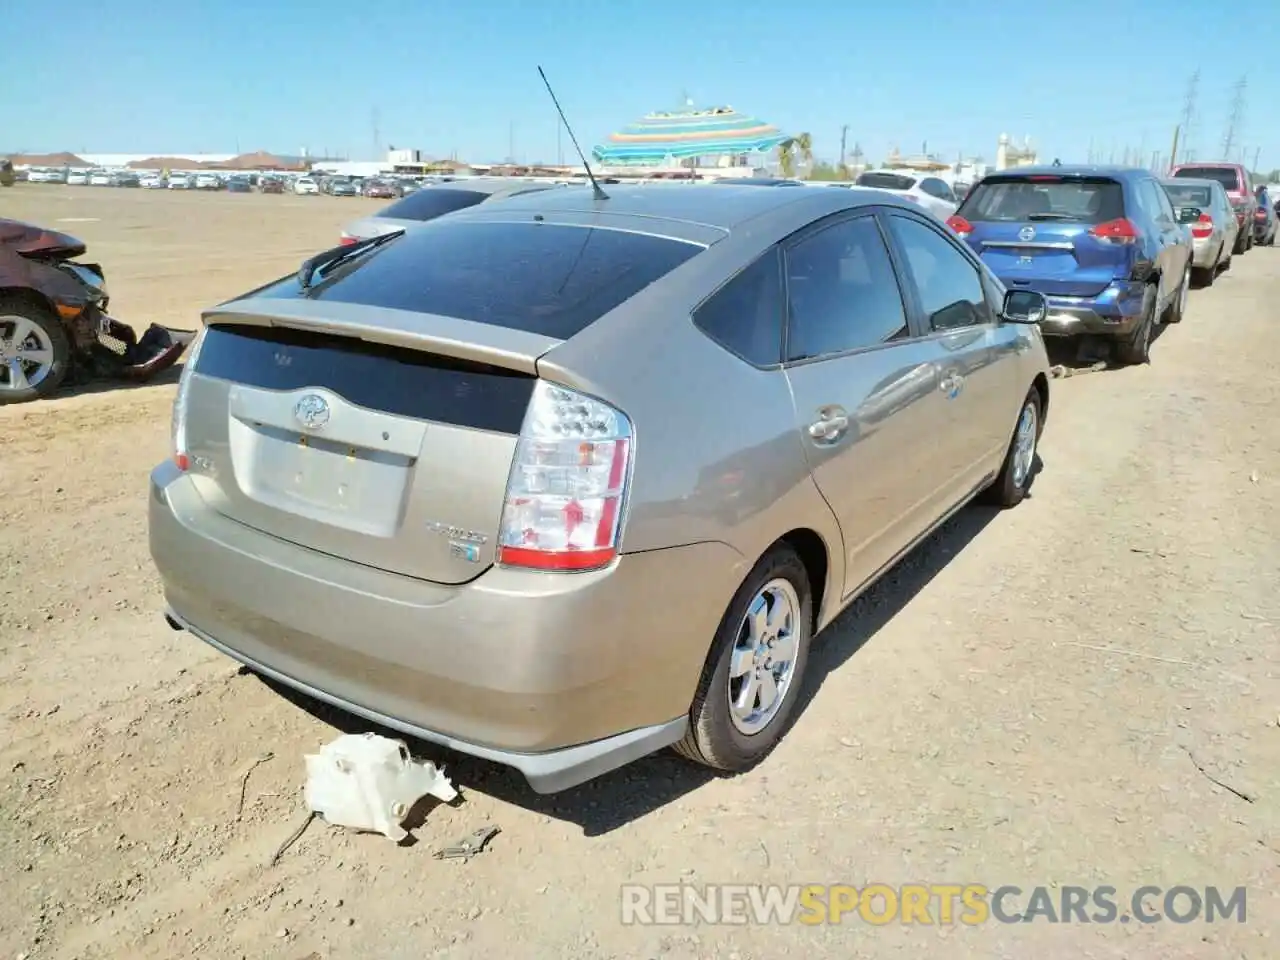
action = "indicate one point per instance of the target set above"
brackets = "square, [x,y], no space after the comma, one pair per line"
[688,133]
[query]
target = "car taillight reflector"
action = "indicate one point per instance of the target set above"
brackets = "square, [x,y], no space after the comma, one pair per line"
[1121,230]
[1202,227]
[181,452]
[568,483]
[346,240]
[1044,178]
[960,225]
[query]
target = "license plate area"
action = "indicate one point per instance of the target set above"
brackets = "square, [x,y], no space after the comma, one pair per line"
[322,480]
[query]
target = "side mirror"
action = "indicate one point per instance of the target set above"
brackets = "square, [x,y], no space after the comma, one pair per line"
[1024,306]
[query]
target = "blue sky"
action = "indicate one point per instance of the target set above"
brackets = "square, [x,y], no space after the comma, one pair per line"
[204,76]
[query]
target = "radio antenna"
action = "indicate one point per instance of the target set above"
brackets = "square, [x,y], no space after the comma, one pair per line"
[596,192]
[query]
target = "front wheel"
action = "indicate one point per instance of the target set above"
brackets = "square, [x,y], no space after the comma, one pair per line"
[753,674]
[35,354]
[1014,479]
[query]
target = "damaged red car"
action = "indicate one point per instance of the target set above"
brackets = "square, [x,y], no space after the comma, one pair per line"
[54,327]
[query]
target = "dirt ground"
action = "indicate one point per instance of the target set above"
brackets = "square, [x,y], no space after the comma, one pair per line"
[1039,697]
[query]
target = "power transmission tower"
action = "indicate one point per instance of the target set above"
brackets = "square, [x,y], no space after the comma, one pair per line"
[1237,114]
[1188,116]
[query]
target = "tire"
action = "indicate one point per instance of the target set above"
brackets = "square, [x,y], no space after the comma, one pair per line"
[1018,470]
[718,738]
[1136,349]
[1178,309]
[41,336]
[1204,276]
[1240,245]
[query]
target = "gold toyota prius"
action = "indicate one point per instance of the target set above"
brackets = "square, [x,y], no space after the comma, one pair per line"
[567,479]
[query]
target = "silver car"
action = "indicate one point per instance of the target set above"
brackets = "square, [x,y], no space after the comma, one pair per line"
[1203,205]
[436,200]
[562,481]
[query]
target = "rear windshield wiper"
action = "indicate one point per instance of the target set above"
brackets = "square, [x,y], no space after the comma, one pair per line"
[1052,216]
[331,258]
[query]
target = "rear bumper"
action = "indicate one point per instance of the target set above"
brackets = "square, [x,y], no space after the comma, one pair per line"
[1205,250]
[563,677]
[1113,313]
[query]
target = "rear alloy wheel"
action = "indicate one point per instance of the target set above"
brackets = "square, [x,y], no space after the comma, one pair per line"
[1178,309]
[1137,348]
[34,352]
[1014,480]
[754,671]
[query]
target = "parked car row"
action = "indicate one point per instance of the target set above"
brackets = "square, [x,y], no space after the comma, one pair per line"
[1114,250]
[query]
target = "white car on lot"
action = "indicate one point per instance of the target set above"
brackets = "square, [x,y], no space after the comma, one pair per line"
[179,181]
[78,178]
[152,181]
[305,185]
[207,181]
[47,175]
[99,178]
[932,193]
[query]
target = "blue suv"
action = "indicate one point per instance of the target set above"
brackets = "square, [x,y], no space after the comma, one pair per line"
[1103,244]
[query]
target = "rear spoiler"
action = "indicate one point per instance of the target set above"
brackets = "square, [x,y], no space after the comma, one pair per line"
[430,333]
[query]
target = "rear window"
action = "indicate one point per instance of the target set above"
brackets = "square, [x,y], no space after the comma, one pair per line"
[541,278]
[1019,199]
[886,181]
[429,204]
[1189,196]
[1229,177]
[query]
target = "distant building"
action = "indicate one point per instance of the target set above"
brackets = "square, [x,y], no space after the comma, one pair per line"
[1009,155]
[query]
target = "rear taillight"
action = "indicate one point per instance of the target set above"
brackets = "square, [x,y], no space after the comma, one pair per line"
[347,240]
[960,225]
[568,483]
[1260,214]
[1121,230]
[181,452]
[1202,227]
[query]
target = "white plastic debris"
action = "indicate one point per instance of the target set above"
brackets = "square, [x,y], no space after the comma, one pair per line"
[368,782]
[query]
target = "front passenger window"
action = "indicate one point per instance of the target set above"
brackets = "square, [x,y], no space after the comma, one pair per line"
[842,291]
[950,289]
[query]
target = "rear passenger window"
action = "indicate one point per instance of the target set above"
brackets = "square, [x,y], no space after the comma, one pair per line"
[745,315]
[842,291]
[949,286]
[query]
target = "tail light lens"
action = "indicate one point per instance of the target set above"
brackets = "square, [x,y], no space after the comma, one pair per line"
[568,483]
[1121,231]
[181,452]
[346,240]
[960,225]
[1260,214]
[1202,227]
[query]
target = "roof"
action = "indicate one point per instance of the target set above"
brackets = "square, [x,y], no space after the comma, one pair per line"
[492,185]
[688,133]
[759,182]
[723,208]
[1071,170]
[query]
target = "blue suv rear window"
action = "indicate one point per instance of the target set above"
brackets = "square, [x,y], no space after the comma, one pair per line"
[1044,198]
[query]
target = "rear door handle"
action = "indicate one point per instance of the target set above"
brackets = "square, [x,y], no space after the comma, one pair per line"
[830,426]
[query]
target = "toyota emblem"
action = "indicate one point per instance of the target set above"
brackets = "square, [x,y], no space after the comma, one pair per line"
[312,411]
[1027,233]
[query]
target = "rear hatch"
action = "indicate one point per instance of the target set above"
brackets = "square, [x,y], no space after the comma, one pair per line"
[899,183]
[1230,179]
[374,416]
[1048,232]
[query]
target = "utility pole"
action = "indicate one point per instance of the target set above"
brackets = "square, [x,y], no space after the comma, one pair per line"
[1237,115]
[1188,114]
[1257,156]
[1173,151]
[844,136]
[374,120]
